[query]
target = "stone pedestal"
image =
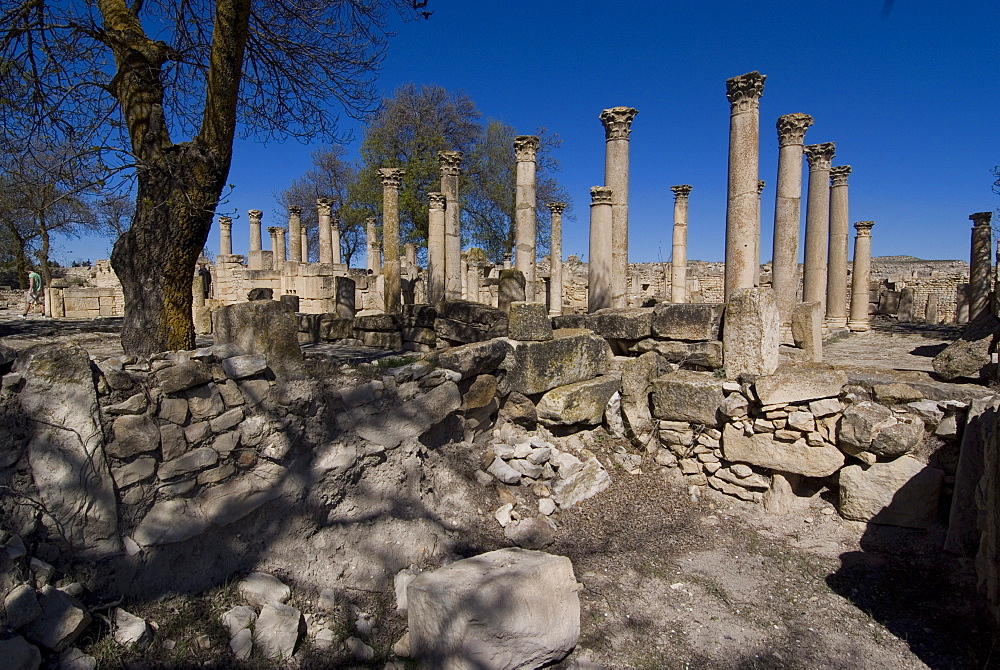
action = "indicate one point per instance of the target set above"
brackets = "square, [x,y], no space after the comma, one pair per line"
[391,180]
[836,281]
[743,203]
[435,248]
[599,267]
[555,259]
[450,162]
[750,338]
[511,288]
[323,215]
[344,297]
[817,223]
[980,264]
[226,235]
[617,128]
[254,260]
[295,234]
[525,150]
[678,259]
[787,212]
[861,277]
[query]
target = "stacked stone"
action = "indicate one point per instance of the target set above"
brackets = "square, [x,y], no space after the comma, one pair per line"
[462,322]
[381,331]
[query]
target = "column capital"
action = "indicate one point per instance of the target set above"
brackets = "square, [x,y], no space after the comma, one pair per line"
[600,195]
[391,177]
[370,220]
[618,122]
[449,162]
[745,90]
[981,218]
[792,128]
[323,206]
[820,155]
[255,215]
[681,191]
[225,221]
[838,175]
[864,227]
[556,207]
[526,147]
[436,199]
[760,186]
[295,210]
[274,229]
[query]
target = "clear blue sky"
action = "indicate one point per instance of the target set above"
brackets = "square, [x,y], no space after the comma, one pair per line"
[911,99]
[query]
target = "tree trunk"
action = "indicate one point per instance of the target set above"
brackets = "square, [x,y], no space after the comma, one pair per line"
[43,252]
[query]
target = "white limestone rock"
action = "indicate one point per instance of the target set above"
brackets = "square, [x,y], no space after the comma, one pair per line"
[763,450]
[277,630]
[903,492]
[131,630]
[261,589]
[582,484]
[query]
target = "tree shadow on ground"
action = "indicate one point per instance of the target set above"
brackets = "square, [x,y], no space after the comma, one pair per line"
[928,350]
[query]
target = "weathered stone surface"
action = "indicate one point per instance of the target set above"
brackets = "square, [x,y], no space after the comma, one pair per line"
[687,396]
[205,402]
[192,461]
[636,375]
[505,609]
[332,327]
[900,438]
[980,426]
[241,644]
[277,630]
[903,492]
[413,418]
[752,333]
[690,321]
[384,323]
[807,329]
[137,471]
[17,654]
[570,356]
[136,404]
[580,484]
[529,321]
[895,393]
[969,356]
[131,630]
[134,434]
[519,409]
[260,588]
[183,376]
[21,606]
[504,472]
[241,367]
[66,448]
[800,383]
[705,355]
[577,403]
[480,392]
[621,324]
[475,358]
[534,533]
[174,410]
[62,620]
[263,327]
[241,617]
[511,288]
[763,450]
[868,426]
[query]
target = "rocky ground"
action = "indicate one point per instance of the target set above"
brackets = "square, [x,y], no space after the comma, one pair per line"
[667,582]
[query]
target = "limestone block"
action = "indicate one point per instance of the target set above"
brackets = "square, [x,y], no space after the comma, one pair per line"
[260,588]
[62,620]
[902,437]
[903,492]
[519,410]
[506,609]
[419,316]
[204,402]
[479,391]
[134,434]
[136,404]
[860,424]
[807,330]
[202,317]
[636,374]
[241,367]
[80,304]
[569,321]
[577,485]
[21,606]
[684,395]
[384,323]
[183,376]
[241,617]
[963,532]
[621,324]
[381,340]
[417,335]
[578,403]
[752,333]
[705,355]
[19,655]
[472,313]
[413,418]
[344,292]
[687,321]
[763,450]
[192,461]
[332,327]
[570,356]
[529,321]
[131,630]
[276,631]
[262,327]
[172,441]
[533,533]
[137,471]
[800,382]
[174,410]
[511,288]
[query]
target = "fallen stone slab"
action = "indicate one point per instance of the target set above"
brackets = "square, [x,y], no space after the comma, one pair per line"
[570,356]
[705,355]
[621,324]
[277,630]
[903,492]
[413,418]
[578,403]
[476,358]
[800,382]
[969,356]
[687,321]
[763,450]
[505,609]
[529,321]
[183,376]
[62,620]
[264,327]
[689,396]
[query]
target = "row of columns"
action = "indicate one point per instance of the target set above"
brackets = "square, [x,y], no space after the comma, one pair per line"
[298,241]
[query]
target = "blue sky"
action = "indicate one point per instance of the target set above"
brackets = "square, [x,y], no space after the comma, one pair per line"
[910,98]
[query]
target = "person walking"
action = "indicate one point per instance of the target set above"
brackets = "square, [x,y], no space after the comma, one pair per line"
[33,296]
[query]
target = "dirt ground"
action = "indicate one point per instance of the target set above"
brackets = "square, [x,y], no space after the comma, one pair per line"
[718,583]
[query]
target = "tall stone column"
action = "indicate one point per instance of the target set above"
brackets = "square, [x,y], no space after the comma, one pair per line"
[525,150]
[980,264]
[617,129]
[836,280]
[225,236]
[335,241]
[295,234]
[599,267]
[787,212]
[555,259]
[742,202]
[756,254]
[435,248]
[304,243]
[391,180]
[323,215]
[817,223]
[450,162]
[374,263]
[277,247]
[861,277]
[678,258]
[465,276]
[255,260]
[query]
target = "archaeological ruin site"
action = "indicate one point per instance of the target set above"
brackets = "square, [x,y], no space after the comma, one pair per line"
[535,463]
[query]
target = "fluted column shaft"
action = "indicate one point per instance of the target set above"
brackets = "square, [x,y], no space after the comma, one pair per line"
[743,202]
[617,129]
[861,278]
[226,235]
[678,257]
[836,280]
[555,259]
[323,215]
[435,248]
[391,180]
[817,223]
[788,212]
[450,163]
[525,150]
[980,264]
[295,234]
[599,267]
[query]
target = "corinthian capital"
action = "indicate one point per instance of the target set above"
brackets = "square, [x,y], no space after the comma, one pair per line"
[820,155]
[437,199]
[864,227]
[981,218]
[323,206]
[255,215]
[681,191]
[556,207]
[273,230]
[226,221]
[760,186]
[618,122]
[449,162]
[525,147]
[391,177]
[745,90]
[294,210]
[838,175]
[600,195]
[792,128]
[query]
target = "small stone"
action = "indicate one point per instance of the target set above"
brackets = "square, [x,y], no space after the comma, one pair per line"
[742,471]
[358,649]
[238,618]
[402,646]
[546,506]
[502,514]
[131,630]
[241,644]
[504,472]
[260,589]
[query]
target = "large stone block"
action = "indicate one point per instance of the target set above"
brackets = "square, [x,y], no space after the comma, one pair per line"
[570,356]
[704,355]
[419,316]
[413,418]
[383,323]
[511,288]
[903,492]
[62,620]
[505,609]
[807,329]
[763,450]
[578,403]
[800,382]
[969,356]
[621,324]
[332,328]
[687,321]
[980,425]
[752,333]
[474,358]
[689,396]
[262,327]
[458,331]
[529,321]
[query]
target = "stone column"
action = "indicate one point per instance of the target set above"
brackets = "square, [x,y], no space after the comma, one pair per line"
[506,261]
[817,223]
[464,264]
[450,162]
[980,265]
[525,149]
[473,282]
[787,212]
[335,240]
[374,263]
[599,268]
[391,180]
[295,234]
[435,248]
[743,203]
[617,128]
[225,236]
[862,271]
[255,260]
[323,215]
[555,259]
[304,243]
[756,254]
[678,258]
[836,280]
[277,247]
